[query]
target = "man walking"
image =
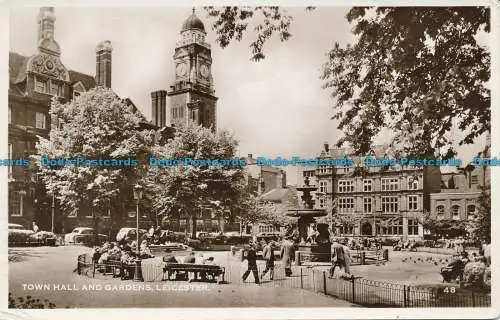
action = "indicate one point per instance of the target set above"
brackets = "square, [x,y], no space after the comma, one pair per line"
[287,254]
[338,256]
[268,254]
[252,264]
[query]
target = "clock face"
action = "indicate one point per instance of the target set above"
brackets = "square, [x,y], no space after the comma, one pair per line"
[181,69]
[204,71]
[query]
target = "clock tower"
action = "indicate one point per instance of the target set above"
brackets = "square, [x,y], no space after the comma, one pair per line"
[192,96]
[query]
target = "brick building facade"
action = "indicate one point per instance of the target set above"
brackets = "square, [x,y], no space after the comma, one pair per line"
[373,200]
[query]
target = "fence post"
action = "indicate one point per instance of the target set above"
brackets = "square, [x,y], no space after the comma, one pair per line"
[298,261]
[404,297]
[362,258]
[353,291]
[301,280]
[473,299]
[324,282]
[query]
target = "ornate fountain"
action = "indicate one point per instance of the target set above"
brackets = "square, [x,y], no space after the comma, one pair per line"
[312,239]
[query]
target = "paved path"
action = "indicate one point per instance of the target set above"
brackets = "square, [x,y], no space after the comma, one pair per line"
[53,268]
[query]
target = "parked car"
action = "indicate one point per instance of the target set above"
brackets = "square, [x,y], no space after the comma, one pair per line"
[83,235]
[129,234]
[47,238]
[18,235]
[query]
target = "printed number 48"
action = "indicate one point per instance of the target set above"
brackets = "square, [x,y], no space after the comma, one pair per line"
[449,290]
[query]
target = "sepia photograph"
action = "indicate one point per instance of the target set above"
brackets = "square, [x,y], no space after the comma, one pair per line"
[250,156]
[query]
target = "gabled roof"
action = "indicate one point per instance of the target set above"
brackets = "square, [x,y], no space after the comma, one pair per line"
[17,72]
[88,81]
[17,67]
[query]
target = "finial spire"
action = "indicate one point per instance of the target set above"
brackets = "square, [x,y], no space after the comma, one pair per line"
[193,9]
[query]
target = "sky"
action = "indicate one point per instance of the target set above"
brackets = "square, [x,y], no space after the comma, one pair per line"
[275,107]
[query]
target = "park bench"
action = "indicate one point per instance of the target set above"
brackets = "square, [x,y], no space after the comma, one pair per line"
[111,267]
[210,270]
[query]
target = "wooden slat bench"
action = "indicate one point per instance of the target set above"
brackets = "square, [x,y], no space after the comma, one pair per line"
[211,270]
[112,267]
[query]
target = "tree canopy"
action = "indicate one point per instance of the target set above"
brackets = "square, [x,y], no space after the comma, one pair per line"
[186,190]
[97,125]
[410,71]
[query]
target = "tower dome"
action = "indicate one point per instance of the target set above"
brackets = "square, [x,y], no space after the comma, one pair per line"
[193,23]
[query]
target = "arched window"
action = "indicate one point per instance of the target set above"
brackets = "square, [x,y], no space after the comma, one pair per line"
[471,211]
[440,212]
[455,212]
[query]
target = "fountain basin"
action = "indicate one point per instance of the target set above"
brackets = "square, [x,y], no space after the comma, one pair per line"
[306,213]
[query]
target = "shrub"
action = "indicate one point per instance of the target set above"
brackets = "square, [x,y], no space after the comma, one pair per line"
[29,302]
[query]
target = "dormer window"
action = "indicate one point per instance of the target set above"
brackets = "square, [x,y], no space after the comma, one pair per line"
[78,89]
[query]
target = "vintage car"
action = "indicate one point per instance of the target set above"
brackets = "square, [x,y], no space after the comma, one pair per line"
[45,238]
[18,235]
[83,235]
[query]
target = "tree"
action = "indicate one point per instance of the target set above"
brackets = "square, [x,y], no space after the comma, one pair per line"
[96,126]
[480,226]
[255,210]
[411,71]
[187,189]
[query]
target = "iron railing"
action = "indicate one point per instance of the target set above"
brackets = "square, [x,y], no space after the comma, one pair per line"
[364,292]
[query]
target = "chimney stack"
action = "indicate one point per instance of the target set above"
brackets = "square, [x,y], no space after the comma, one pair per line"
[103,64]
[327,147]
[159,108]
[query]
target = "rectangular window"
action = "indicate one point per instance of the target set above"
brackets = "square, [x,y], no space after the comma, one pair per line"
[322,186]
[367,205]
[412,203]
[308,174]
[390,184]
[10,114]
[412,227]
[346,230]
[346,186]
[40,120]
[412,184]
[367,185]
[54,89]
[346,205]
[390,204]
[474,179]
[394,227]
[15,204]
[322,203]
[40,86]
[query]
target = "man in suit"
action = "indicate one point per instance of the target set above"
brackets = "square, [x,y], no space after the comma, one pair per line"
[338,256]
[252,264]
[287,254]
[268,255]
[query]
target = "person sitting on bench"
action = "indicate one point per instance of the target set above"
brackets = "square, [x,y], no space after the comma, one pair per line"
[170,258]
[191,258]
[209,261]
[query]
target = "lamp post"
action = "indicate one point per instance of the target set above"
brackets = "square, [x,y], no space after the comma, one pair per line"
[137,196]
[53,212]
[22,194]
